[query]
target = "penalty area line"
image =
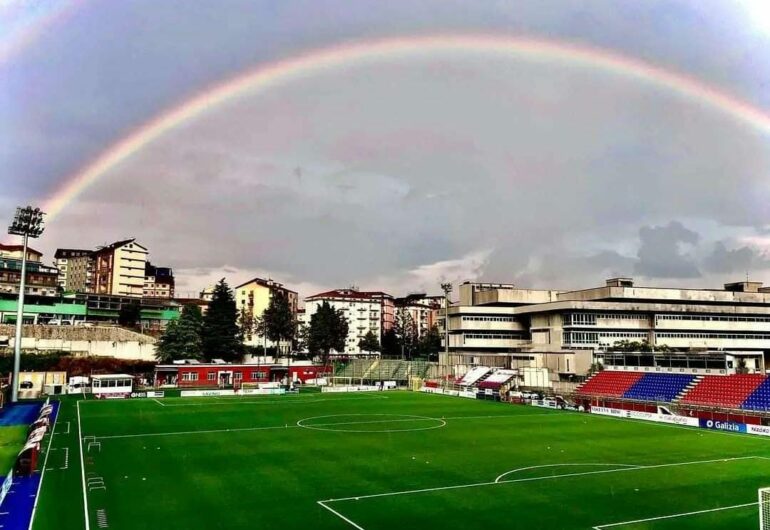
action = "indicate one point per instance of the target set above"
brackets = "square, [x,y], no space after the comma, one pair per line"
[338,514]
[535,479]
[675,515]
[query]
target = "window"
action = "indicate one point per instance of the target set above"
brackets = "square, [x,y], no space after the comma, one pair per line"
[237,376]
[255,376]
[190,376]
[212,376]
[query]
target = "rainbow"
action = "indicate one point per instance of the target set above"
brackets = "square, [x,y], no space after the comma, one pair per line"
[25,21]
[270,75]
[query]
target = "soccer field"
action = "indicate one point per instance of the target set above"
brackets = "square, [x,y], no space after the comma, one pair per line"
[378,461]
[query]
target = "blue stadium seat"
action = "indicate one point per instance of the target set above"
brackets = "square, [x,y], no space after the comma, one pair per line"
[659,387]
[760,398]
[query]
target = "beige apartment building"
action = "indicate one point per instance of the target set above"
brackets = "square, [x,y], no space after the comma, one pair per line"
[119,269]
[567,331]
[253,297]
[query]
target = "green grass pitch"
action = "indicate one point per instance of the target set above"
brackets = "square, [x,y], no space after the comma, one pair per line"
[393,460]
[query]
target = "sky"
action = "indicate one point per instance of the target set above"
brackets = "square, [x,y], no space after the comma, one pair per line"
[397,172]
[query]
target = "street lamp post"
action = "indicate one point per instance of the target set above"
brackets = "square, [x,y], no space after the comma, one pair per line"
[447,288]
[28,222]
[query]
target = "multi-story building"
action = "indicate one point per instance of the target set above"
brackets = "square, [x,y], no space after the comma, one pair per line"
[252,298]
[422,308]
[567,331]
[75,308]
[41,280]
[365,312]
[119,269]
[158,282]
[76,269]
[17,251]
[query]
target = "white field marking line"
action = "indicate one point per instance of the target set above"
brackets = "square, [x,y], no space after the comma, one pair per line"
[338,514]
[66,458]
[42,473]
[398,418]
[276,427]
[675,515]
[497,480]
[159,403]
[82,469]
[533,479]
[267,402]
[68,428]
[212,431]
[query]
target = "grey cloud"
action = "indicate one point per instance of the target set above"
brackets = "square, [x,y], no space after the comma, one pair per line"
[661,253]
[741,259]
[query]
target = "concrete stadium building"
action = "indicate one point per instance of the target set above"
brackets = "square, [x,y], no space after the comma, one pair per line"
[566,331]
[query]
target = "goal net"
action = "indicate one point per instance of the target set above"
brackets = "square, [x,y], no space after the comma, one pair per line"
[340,381]
[764,508]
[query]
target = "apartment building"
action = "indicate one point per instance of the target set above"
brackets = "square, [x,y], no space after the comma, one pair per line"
[119,269]
[41,280]
[365,312]
[253,297]
[502,325]
[76,269]
[158,282]
[422,308]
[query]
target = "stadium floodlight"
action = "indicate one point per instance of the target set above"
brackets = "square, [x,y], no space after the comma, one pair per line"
[447,288]
[28,222]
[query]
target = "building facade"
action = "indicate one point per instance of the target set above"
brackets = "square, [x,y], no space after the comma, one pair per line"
[40,279]
[119,269]
[158,282]
[364,311]
[422,309]
[76,269]
[567,331]
[252,298]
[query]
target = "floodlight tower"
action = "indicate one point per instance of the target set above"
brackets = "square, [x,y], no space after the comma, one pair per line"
[447,288]
[28,222]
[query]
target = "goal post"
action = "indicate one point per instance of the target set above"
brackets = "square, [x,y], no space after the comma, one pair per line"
[764,508]
[340,381]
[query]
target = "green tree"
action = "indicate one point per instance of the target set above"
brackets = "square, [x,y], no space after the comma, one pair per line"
[167,348]
[247,324]
[430,343]
[369,343]
[279,323]
[221,334]
[406,333]
[182,338]
[130,314]
[390,347]
[328,331]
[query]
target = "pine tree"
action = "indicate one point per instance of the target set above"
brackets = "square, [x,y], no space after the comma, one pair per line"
[189,330]
[167,348]
[182,338]
[278,319]
[328,331]
[221,335]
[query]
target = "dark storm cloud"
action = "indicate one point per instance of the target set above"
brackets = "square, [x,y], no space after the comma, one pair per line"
[663,252]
